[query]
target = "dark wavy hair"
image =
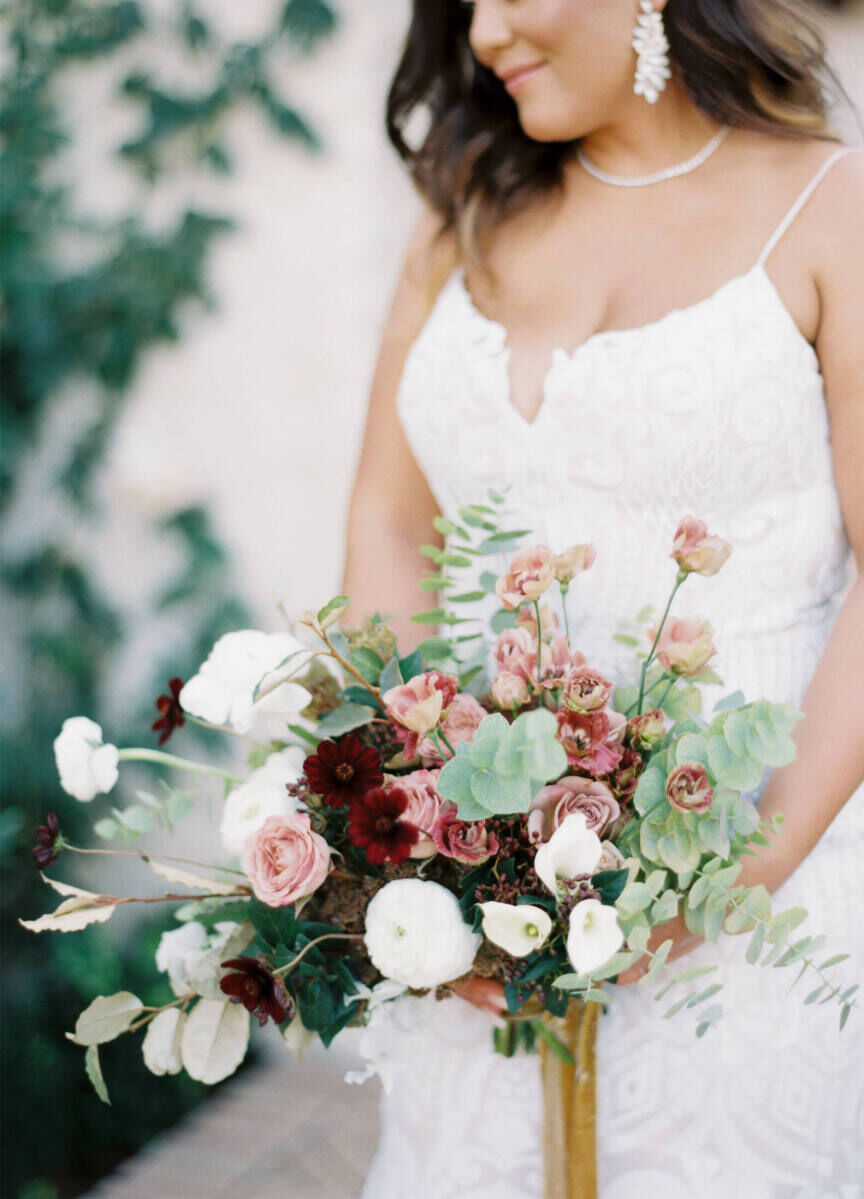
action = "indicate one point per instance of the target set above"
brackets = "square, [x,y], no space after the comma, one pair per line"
[754,64]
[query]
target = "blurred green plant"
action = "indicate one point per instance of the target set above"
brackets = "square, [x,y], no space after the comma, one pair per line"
[83,299]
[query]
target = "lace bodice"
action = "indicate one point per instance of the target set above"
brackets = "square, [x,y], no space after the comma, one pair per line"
[718,410]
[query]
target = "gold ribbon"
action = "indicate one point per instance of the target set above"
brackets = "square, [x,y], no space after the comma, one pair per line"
[570,1105]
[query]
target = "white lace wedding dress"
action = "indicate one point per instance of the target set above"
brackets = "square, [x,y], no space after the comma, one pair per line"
[717,410]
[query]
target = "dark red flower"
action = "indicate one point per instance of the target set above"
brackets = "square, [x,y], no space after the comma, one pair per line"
[341,771]
[172,714]
[48,842]
[257,988]
[375,826]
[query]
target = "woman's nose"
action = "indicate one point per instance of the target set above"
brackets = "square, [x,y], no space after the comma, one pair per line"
[490,31]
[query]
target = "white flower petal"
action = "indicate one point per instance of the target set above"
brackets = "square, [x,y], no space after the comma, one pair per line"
[416,934]
[517,928]
[86,767]
[572,849]
[594,935]
[161,1045]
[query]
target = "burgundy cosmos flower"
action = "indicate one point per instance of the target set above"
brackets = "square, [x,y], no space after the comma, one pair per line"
[375,826]
[48,843]
[342,771]
[172,714]
[257,988]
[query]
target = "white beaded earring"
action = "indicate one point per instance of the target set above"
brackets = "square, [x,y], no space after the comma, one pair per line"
[652,53]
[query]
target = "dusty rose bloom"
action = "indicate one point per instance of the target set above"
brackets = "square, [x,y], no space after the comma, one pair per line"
[645,732]
[585,690]
[573,561]
[458,723]
[466,841]
[591,739]
[526,618]
[688,788]
[696,550]
[516,651]
[424,808]
[415,707]
[530,574]
[686,646]
[510,690]
[552,803]
[610,859]
[285,859]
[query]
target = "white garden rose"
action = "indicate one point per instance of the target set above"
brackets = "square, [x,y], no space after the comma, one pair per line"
[173,952]
[594,935]
[161,1045]
[416,934]
[262,795]
[517,928]
[572,849]
[86,766]
[221,692]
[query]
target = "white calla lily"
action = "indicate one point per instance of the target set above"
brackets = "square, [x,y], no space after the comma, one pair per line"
[572,849]
[86,767]
[594,935]
[517,928]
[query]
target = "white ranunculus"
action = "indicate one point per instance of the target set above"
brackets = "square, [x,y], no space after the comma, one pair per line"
[572,849]
[172,954]
[86,766]
[517,928]
[416,934]
[161,1045]
[594,935]
[221,692]
[262,795]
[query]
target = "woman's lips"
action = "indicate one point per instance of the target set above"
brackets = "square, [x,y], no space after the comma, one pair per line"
[515,80]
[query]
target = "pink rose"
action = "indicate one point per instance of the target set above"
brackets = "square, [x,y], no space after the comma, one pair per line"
[572,562]
[510,690]
[285,860]
[686,646]
[415,707]
[424,808]
[585,690]
[530,574]
[458,724]
[466,841]
[526,619]
[688,788]
[551,804]
[610,859]
[591,739]
[516,651]
[696,550]
[646,731]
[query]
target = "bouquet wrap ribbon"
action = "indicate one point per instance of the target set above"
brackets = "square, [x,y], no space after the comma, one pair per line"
[570,1105]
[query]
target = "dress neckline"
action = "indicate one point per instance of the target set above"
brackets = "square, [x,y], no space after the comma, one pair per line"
[502,347]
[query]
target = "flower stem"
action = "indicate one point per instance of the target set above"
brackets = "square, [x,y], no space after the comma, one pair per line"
[153,1012]
[160,857]
[539,643]
[565,587]
[346,665]
[222,728]
[286,969]
[156,755]
[679,579]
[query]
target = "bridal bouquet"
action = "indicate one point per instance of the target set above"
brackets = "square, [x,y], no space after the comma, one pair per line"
[407,821]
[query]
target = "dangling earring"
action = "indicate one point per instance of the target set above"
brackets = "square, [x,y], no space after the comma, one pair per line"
[652,53]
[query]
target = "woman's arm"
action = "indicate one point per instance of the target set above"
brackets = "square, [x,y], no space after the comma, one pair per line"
[392,508]
[830,739]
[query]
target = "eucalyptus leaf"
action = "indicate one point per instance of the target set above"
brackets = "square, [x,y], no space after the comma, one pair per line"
[343,719]
[94,1072]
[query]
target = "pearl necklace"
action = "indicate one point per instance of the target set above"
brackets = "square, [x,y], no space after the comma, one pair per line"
[681,168]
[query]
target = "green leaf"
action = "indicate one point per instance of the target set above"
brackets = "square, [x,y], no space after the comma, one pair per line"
[430,616]
[835,961]
[391,674]
[332,609]
[107,829]
[94,1073]
[368,663]
[444,526]
[610,884]
[467,597]
[503,619]
[434,583]
[844,1015]
[411,664]
[344,719]
[625,639]
[487,581]
[107,1017]
[692,747]
[555,1045]
[736,699]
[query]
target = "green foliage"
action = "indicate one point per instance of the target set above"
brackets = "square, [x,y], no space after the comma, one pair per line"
[504,766]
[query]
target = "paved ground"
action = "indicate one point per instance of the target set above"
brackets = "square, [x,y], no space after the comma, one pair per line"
[285,1130]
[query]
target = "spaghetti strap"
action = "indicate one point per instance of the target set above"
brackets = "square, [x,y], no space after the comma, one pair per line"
[802,200]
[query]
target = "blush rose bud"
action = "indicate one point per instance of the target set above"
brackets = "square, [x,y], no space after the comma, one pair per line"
[688,788]
[686,646]
[530,574]
[696,550]
[510,690]
[572,562]
[646,731]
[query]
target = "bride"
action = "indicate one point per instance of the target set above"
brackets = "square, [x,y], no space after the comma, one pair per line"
[637,293]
